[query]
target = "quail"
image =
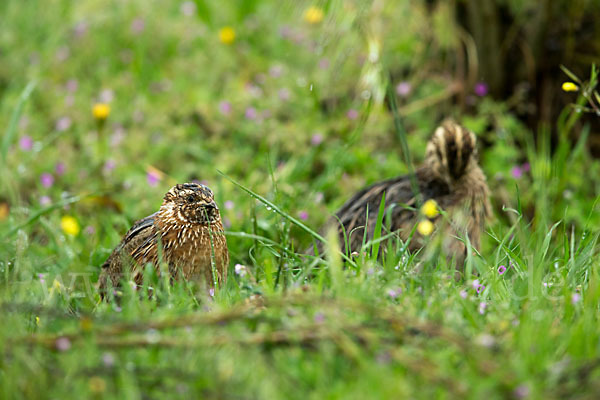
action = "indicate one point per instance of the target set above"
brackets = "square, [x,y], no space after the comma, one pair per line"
[450,175]
[186,234]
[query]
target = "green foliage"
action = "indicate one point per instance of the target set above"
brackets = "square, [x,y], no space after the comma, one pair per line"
[297,116]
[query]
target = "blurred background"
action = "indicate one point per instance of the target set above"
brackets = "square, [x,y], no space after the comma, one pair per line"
[105,105]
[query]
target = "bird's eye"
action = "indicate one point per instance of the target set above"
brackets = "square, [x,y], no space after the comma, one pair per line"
[190,199]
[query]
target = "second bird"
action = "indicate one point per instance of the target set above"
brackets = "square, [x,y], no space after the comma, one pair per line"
[450,175]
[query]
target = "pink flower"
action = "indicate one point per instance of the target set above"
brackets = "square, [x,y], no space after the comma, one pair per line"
[89,230]
[45,201]
[106,95]
[225,107]
[60,168]
[72,85]
[275,71]
[62,344]
[516,172]
[251,113]
[316,139]
[108,359]
[482,307]
[393,293]
[109,165]
[352,114]
[153,178]
[319,318]
[501,270]
[229,205]
[403,89]
[137,26]
[26,143]
[481,89]
[303,215]
[463,294]
[284,94]
[575,298]
[62,124]
[188,8]
[47,180]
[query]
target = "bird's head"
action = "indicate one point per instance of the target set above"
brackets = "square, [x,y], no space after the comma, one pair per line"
[452,151]
[191,203]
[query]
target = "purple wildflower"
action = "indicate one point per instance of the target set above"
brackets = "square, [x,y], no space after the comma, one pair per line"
[284,94]
[26,143]
[229,205]
[482,307]
[62,344]
[575,298]
[47,180]
[403,89]
[481,89]
[211,292]
[188,8]
[463,294]
[41,277]
[80,29]
[275,71]
[251,113]
[106,95]
[153,178]
[109,165]
[137,26]
[319,318]
[303,215]
[501,270]
[62,54]
[62,124]
[393,293]
[225,107]
[60,168]
[240,270]
[516,172]
[72,85]
[316,139]
[89,230]
[352,114]
[480,288]
[521,391]
[45,201]
[108,359]
[319,197]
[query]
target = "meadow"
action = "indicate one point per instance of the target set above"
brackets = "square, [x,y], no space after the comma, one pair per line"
[284,109]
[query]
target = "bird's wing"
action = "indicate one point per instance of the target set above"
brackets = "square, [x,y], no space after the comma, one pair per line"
[139,233]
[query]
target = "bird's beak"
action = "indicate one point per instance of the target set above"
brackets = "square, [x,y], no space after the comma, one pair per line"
[212,205]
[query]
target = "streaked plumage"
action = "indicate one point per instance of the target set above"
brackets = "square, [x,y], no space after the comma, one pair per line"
[186,231]
[450,175]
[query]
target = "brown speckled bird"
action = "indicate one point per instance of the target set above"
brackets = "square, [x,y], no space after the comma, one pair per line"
[450,175]
[188,229]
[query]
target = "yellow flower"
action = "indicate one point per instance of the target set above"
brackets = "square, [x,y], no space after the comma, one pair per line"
[97,384]
[4,210]
[101,111]
[430,209]
[37,321]
[226,35]
[69,225]
[313,15]
[570,87]
[425,227]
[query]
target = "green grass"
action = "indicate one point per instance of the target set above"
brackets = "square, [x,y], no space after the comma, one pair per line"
[289,326]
